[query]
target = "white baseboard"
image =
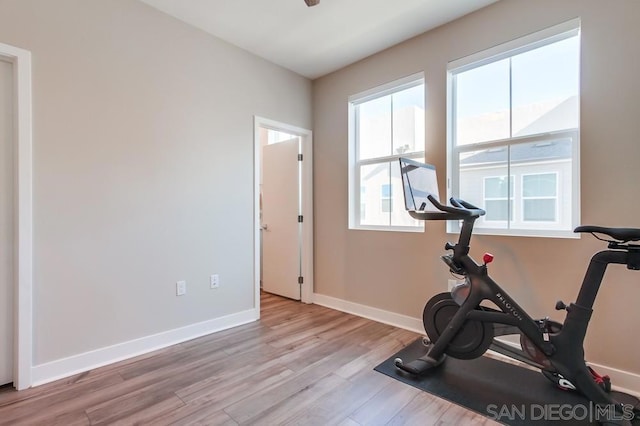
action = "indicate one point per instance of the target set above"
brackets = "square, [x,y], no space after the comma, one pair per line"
[375,314]
[54,370]
[623,381]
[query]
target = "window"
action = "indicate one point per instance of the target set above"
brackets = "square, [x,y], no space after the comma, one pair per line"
[385,123]
[539,197]
[497,199]
[275,136]
[385,196]
[513,111]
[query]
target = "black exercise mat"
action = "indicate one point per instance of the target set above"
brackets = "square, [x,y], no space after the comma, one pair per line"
[505,392]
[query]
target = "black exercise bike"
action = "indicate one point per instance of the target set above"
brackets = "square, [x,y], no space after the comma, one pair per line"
[458,325]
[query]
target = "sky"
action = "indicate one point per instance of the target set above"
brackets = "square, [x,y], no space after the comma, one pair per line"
[541,74]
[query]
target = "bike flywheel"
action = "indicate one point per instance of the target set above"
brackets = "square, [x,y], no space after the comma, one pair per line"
[472,340]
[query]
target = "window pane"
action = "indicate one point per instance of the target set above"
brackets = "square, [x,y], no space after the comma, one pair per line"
[386,127]
[408,120]
[372,177]
[374,128]
[482,103]
[545,88]
[541,210]
[543,185]
[275,136]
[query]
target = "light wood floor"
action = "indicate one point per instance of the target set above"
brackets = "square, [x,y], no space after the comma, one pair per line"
[300,364]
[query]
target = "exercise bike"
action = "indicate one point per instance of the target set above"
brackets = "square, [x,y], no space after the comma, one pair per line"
[458,324]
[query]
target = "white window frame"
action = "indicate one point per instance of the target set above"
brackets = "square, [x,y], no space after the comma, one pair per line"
[523,44]
[355,164]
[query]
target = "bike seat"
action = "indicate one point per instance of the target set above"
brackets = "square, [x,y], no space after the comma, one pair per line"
[620,234]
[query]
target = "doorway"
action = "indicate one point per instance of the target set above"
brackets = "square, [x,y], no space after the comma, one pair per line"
[283,216]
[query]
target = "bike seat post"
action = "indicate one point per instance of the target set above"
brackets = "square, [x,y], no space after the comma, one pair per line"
[595,273]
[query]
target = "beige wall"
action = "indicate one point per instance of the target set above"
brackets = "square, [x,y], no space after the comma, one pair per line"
[399,271]
[143,168]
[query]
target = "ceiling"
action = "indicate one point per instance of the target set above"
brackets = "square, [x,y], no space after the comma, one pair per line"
[314,41]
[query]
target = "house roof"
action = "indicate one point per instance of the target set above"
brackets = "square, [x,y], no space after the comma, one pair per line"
[530,152]
[565,112]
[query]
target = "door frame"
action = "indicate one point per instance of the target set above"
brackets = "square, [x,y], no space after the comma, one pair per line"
[23,243]
[306,137]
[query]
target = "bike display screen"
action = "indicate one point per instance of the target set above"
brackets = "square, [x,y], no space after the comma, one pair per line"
[419,180]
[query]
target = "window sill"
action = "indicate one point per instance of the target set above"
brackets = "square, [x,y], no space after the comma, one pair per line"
[410,229]
[520,233]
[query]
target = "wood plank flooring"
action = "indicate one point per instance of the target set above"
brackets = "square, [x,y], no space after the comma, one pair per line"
[299,365]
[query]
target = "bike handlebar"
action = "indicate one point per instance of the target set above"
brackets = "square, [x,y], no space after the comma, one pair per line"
[458,210]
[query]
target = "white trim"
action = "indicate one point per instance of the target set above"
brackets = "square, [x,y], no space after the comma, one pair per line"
[374,314]
[257,249]
[388,88]
[354,170]
[307,211]
[623,381]
[513,47]
[548,233]
[51,371]
[388,228]
[306,137]
[21,60]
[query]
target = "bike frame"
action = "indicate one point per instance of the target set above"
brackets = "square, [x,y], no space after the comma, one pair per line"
[485,288]
[563,349]
[557,348]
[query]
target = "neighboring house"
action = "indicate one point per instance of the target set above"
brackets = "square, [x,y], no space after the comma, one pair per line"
[536,191]
[539,188]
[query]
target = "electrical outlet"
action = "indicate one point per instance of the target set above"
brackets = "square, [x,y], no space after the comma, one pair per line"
[181,288]
[214,281]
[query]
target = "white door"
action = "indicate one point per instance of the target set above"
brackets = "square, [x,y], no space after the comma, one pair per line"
[6,222]
[280,226]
